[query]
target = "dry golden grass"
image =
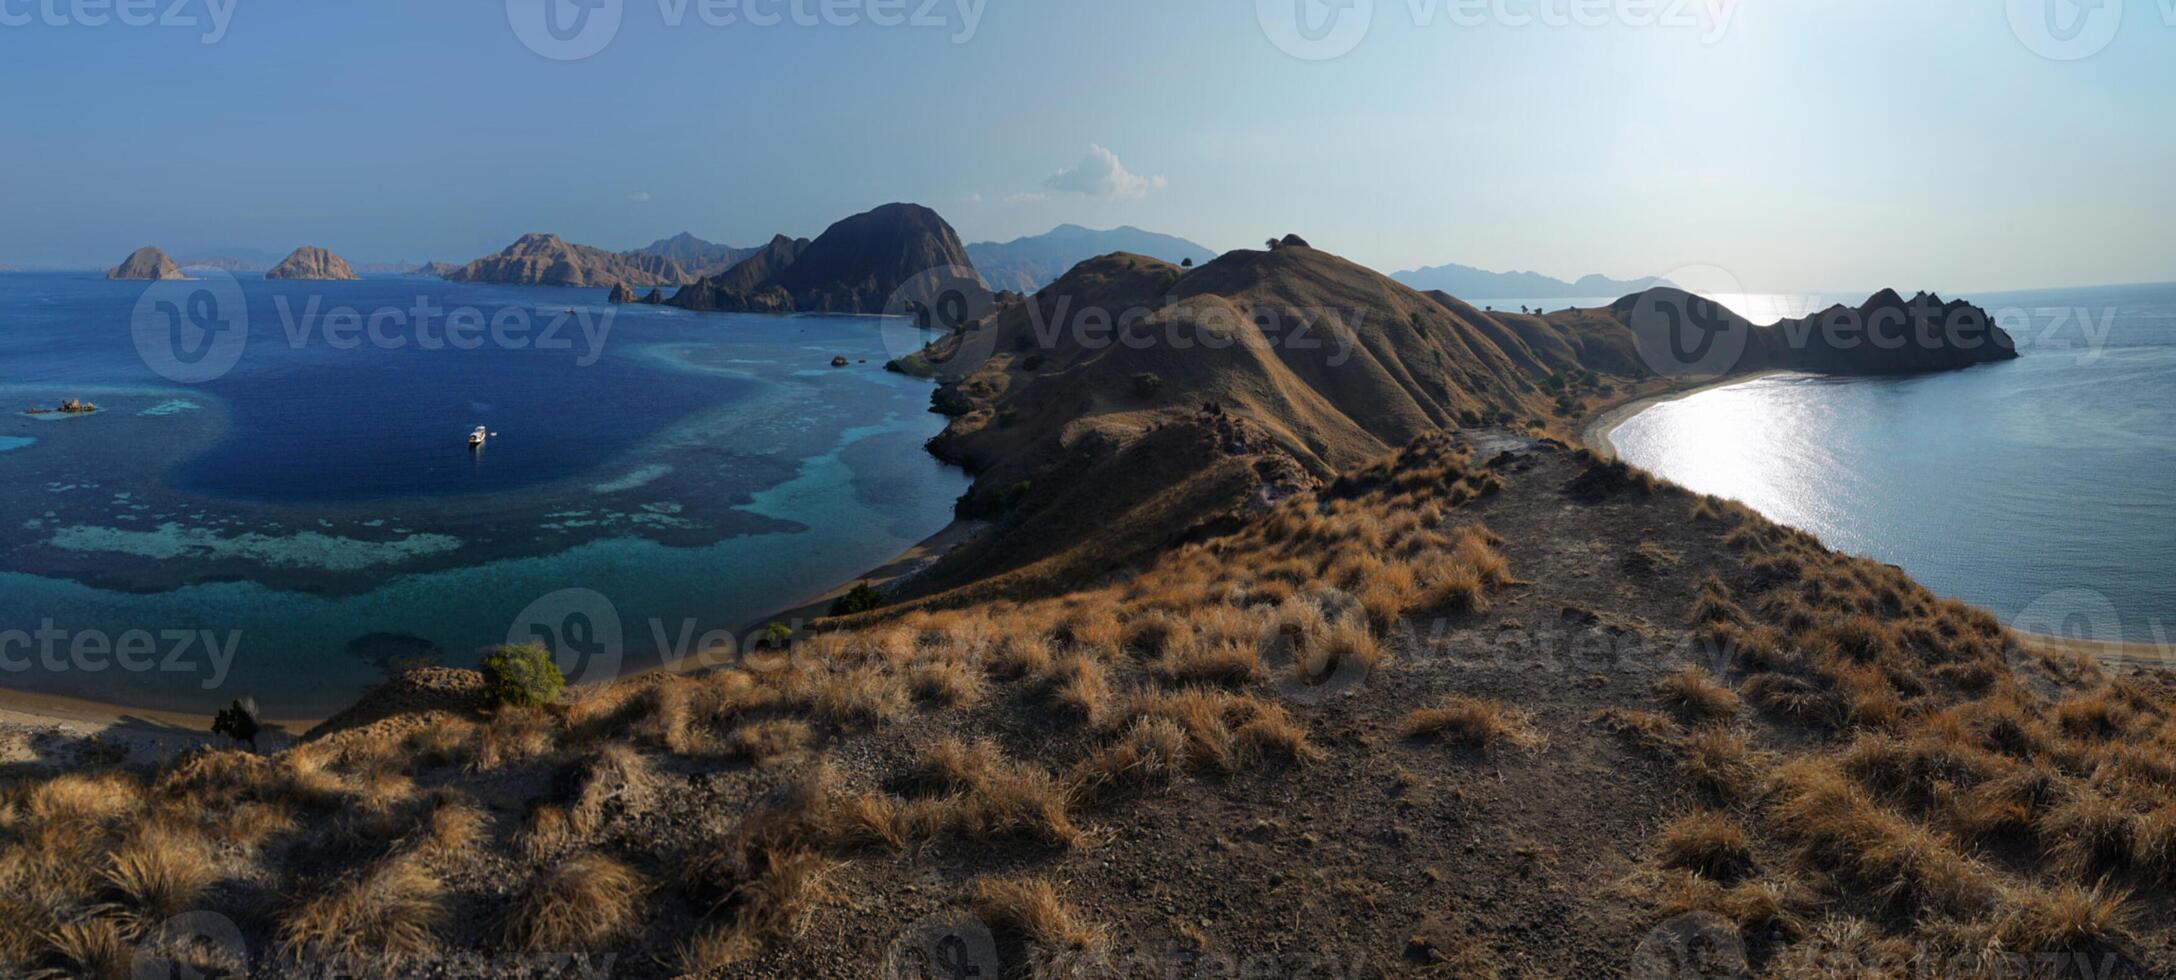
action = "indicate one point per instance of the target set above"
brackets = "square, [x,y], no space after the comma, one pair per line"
[93,948]
[1473,722]
[580,903]
[616,776]
[951,683]
[770,742]
[1709,844]
[1082,686]
[1152,752]
[382,914]
[1063,942]
[515,735]
[160,871]
[1721,762]
[1698,695]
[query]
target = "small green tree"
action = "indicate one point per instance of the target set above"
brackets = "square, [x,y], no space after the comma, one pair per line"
[239,721]
[774,636]
[524,676]
[859,599]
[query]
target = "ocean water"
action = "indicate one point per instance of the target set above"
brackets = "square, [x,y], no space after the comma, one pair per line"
[293,524]
[2043,489]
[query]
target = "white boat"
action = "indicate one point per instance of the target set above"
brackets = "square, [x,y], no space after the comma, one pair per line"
[476,438]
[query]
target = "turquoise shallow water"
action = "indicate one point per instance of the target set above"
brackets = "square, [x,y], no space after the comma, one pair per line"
[2043,489]
[312,517]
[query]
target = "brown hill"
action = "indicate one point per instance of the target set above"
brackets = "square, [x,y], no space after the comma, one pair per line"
[1486,706]
[1309,364]
[858,265]
[311,262]
[546,260]
[146,263]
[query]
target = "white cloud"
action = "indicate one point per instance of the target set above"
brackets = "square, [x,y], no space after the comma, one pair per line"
[1024,197]
[973,197]
[1099,174]
[639,196]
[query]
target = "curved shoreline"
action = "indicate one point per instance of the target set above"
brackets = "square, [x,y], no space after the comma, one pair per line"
[1594,434]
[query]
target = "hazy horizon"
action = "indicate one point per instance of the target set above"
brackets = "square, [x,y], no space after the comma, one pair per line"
[1942,147]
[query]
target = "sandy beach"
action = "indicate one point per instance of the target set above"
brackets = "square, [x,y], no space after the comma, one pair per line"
[1595,433]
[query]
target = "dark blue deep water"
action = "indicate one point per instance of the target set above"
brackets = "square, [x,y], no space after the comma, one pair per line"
[2043,488]
[303,490]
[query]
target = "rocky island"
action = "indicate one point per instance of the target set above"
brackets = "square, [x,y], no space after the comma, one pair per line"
[146,263]
[311,262]
[548,260]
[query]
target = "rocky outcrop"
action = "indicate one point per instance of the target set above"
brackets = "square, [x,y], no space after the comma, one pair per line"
[548,260]
[146,263]
[311,262]
[439,270]
[744,286]
[858,265]
[621,294]
[654,297]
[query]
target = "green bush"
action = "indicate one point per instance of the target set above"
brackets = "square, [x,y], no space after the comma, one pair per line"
[522,675]
[775,636]
[1147,384]
[859,599]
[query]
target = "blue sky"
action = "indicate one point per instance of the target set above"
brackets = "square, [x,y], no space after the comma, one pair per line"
[1844,144]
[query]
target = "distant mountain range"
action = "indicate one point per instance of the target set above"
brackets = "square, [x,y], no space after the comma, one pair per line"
[1027,264]
[1465,281]
[695,256]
